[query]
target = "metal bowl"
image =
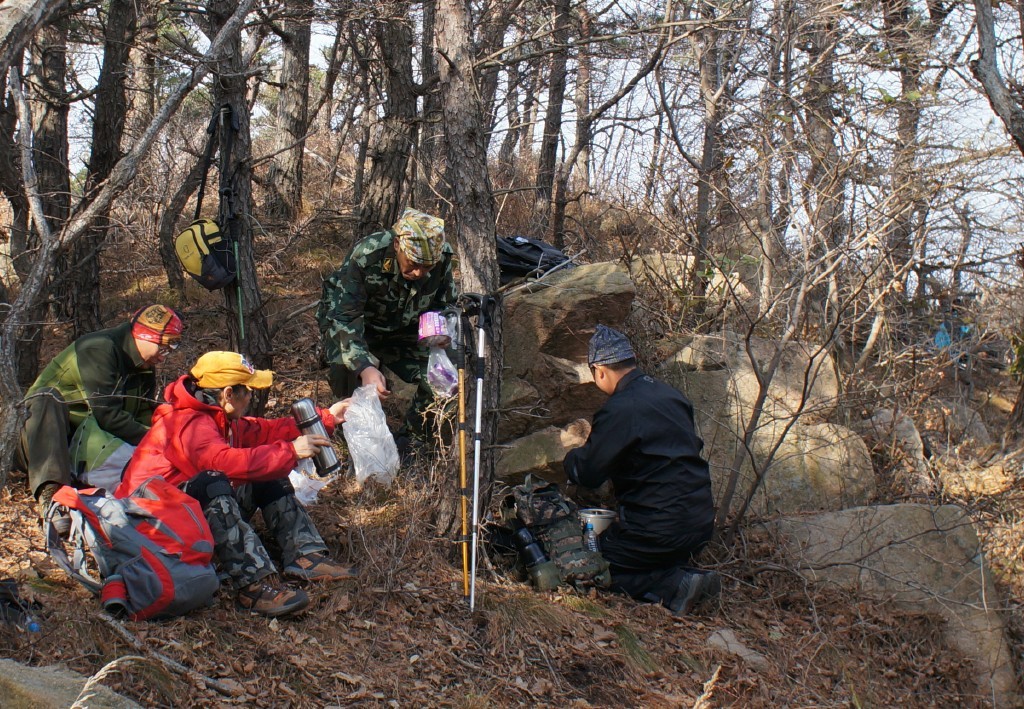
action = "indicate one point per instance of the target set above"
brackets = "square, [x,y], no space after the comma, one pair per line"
[600,518]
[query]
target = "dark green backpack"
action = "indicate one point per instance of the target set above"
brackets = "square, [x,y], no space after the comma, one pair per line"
[554,520]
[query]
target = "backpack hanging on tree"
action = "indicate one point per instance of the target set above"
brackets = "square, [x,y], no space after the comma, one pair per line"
[207,248]
[147,555]
[206,254]
[554,520]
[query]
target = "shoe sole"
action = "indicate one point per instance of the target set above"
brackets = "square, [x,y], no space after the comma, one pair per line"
[277,613]
[707,585]
[303,576]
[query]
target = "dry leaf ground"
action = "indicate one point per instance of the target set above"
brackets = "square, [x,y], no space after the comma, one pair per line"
[403,636]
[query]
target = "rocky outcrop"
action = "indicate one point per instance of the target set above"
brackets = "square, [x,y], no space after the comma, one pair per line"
[806,463]
[541,453]
[894,435]
[546,330]
[918,557]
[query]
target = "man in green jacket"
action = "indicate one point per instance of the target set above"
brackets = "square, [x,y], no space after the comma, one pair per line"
[370,308]
[93,403]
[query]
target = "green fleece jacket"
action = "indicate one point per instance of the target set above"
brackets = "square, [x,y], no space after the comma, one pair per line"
[103,375]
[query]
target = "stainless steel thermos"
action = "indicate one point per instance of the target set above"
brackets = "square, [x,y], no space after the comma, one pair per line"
[309,423]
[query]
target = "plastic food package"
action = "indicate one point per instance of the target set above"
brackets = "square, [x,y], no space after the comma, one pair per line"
[307,482]
[434,330]
[442,376]
[370,443]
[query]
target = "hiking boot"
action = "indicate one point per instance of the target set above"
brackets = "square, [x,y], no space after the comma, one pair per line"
[319,567]
[693,588]
[271,598]
[61,519]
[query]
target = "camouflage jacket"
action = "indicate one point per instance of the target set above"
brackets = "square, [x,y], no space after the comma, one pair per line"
[368,300]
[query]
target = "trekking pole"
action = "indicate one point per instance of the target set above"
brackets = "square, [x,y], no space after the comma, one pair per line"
[481,325]
[460,363]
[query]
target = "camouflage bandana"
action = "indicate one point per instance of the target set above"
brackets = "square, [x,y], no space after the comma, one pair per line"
[420,236]
[608,346]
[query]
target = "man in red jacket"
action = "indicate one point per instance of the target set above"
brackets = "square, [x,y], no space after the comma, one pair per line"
[202,441]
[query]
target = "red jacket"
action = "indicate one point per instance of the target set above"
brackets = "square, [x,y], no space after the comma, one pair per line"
[189,436]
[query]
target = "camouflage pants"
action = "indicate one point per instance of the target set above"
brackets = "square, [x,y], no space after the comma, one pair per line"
[238,549]
[410,365]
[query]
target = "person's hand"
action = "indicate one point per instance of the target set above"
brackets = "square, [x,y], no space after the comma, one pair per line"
[575,434]
[372,375]
[308,446]
[338,410]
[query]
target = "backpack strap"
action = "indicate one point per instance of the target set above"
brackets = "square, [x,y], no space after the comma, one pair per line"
[75,564]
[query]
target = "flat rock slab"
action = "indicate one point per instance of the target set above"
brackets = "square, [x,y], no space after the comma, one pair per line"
[53,687]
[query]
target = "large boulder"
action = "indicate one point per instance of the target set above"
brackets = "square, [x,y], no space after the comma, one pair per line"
[950,425]
[815,467]
[918,557]
[894,435]
[806,463]
[546,329]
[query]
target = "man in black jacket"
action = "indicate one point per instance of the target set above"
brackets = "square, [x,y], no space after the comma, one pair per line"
[644,440]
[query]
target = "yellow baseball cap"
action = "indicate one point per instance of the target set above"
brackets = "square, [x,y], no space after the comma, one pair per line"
[215,370]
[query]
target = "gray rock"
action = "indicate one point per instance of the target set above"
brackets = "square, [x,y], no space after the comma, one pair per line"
[25,687]
[546,331]
[541,453]
[726,641]
[918,557]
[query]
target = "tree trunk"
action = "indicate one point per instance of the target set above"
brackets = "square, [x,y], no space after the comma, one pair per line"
[285,174]
[986,70]
[546,160]
[18,24]
[386,189]
[247,320]
[472,201]
[107,129]
[50,157]
[430,191]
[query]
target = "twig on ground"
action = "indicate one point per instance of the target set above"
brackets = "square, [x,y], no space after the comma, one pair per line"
[172,664]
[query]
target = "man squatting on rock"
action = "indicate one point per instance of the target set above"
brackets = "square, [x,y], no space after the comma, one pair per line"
[202,441]
[644,440]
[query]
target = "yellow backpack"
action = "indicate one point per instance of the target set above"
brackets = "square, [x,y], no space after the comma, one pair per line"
[206,254]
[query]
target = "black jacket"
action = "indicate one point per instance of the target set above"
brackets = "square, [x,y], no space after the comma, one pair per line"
[644,440]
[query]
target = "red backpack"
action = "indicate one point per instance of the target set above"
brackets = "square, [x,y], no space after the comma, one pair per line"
[152,550]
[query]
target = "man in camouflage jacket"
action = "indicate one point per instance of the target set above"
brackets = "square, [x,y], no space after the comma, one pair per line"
[370,308]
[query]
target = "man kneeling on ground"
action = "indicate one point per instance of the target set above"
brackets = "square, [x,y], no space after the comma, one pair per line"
[644,440]
[202,441]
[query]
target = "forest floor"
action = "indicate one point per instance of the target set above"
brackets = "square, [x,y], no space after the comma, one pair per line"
[402,635]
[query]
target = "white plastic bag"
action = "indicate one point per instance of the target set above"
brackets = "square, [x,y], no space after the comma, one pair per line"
[370,442]
[307,483]
[442,376]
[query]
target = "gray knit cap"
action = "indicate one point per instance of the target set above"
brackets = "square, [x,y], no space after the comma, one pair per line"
[608,346]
